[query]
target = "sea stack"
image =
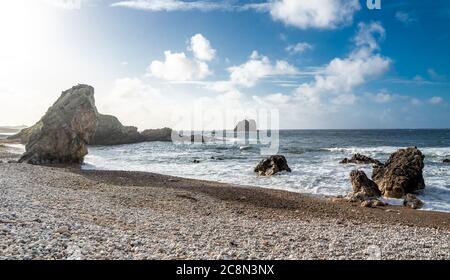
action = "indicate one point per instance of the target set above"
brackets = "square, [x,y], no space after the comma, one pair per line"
[62,134]
[246,126]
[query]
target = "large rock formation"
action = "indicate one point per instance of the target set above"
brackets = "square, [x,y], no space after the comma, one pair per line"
[363,188]
[62,134]
[246,126]
[272,165]
[401,174]
[361,159]
[110,131]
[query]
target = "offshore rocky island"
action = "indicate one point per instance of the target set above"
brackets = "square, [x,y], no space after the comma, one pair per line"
[76,214]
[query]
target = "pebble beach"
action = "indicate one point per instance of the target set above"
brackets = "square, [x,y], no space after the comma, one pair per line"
[66,213]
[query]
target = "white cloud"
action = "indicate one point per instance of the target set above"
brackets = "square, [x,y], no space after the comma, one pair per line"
[405,18]
[259,67]
[299,48]
[69,4]
[416,102]
[342,75]
[436,100]
[381,97]
[178,67]
[322,14]
[201,47]
[435,76]
[172,5]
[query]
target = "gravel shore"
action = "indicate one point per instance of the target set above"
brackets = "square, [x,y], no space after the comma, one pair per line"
[65,213]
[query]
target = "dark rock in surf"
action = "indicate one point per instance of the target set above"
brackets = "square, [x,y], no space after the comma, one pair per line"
[361,159]
[363,188]
[272,165]
[446,161]
[401,174]
[412,201]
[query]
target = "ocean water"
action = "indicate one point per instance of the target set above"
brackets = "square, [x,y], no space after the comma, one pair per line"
[313,156]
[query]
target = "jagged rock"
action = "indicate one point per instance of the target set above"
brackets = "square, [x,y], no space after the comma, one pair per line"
[162,134]
[363,188]
[361,159]
[110,131]
[246,125]
[412,201]
[62,135]
[401,174]
[446,161]
[272,165]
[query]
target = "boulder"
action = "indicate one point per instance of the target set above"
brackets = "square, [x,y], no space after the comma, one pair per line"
[401,174]
[446,161]
[162,134]
[110,131]
[245,126]
[412,201]
[363,188]
[272,165]
[62,134]
[361,159]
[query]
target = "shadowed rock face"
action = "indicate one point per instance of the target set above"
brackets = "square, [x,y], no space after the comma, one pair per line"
[110,131]
[401,174]
[62,134]
[363,187]
[272,165]
[361,159]
[245,126]
[162,134]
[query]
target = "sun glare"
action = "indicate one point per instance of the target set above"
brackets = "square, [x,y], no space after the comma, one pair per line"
[23,27]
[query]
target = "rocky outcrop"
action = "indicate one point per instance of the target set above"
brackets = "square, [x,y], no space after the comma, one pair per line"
[110,131]
[412,201]
[162,134]
[25,134]
[272,165]
[401,174]
[246,126]
[361,159]
[363,188]
[62,134]
[446,161]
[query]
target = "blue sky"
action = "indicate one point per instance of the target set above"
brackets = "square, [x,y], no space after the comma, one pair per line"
[320,64]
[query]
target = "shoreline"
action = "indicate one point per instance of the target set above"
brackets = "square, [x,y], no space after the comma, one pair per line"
[63,212]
